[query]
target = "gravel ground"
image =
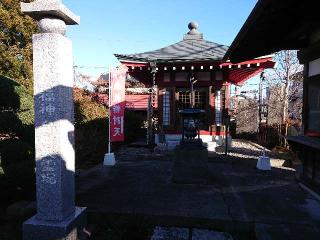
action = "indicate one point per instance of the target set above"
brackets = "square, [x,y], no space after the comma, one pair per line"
[249,150]
[242,149]
[141,154]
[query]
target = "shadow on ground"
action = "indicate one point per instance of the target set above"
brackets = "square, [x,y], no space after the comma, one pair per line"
[239,199]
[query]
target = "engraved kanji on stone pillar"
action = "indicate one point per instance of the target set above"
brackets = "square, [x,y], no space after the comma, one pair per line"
[57,217]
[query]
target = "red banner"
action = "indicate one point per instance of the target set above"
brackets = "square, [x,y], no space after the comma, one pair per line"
[117,103]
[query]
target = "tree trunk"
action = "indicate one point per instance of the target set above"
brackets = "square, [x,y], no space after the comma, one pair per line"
[285,102]
[286,88]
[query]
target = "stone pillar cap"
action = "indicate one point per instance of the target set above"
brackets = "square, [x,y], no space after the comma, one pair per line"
[40,9]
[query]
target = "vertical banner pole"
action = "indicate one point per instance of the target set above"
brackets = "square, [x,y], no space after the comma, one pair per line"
[109,105]
[117,104]
[109,159]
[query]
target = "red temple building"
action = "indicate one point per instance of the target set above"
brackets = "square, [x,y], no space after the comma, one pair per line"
[169,71]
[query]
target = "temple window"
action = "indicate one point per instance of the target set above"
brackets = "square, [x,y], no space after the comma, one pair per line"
[218,111]
[166,108]
[200,99]
[314,67]
[313,102]
[314,107]
[184,99]
[181,76]
[166,77]
[219,76]
[203,76]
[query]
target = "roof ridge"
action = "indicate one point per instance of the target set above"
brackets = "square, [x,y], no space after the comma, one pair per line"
[193,47]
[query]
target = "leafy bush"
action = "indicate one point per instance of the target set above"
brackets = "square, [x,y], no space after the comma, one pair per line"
[17,162]
[9,99]
[26,109]
[86,109]
[91,129]
[91,139]
[16,42]
[17,180]
[9,122]
[16,110]
[26,133]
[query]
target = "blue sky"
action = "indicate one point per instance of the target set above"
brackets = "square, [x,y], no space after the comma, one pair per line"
[130,26]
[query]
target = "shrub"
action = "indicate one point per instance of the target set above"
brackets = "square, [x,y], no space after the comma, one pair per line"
[17,149]
[26,109]
[9,99]
[91,139]
[16,110]
[86,109]
[16,98]
[17,162]
[9,122]
[91,129]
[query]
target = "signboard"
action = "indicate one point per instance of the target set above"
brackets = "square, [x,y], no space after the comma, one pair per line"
[117,103]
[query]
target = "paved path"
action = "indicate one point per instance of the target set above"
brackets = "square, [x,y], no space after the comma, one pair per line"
[238,199]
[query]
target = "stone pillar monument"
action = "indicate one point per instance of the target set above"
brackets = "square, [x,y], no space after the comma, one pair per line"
[57,217]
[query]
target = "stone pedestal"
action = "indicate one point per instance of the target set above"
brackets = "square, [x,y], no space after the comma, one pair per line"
[263,163]
[109,159]
[66,229]
[57,217]
[190,164]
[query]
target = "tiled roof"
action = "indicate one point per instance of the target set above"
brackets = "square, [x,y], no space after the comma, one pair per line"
[192,48]
[185,50]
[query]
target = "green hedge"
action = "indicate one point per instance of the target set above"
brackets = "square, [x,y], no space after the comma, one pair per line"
[91,142]
[16,110]
[17,149]
[15,98]
[91,124]
[9,122]
[17,162]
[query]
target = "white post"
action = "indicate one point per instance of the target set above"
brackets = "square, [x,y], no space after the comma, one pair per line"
[263,162]
[109,99]
[109,158]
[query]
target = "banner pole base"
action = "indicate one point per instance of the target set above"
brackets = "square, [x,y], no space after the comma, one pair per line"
[109,159]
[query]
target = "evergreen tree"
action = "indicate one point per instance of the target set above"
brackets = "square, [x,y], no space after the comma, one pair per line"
[16,31]
[16,100]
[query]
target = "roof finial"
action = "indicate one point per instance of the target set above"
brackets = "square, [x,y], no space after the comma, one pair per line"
[193,33]
[193,26]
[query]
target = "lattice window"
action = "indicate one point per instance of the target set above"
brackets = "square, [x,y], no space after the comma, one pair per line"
[218,109]
[184,99]
[314,107]
[199,99]
[166,108]
[166,77]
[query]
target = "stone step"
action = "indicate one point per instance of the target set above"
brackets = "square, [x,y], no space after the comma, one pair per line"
[170,233]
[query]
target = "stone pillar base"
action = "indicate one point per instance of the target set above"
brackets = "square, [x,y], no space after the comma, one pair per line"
[263,163]
[68,229]
[190,165]
[109,159]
